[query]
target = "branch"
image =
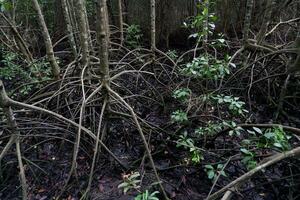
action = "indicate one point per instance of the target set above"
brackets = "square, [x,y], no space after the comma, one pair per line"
[279,157]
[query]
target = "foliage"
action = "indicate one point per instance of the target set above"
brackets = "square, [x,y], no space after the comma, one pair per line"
[134,36]
[11,70]
[203,23]
[188,143]
[5,5]
[147,196]
[274,138]
[213,173]
[235,129]
[185,141]
[196,155]
[234,104]
[213,128]
[179,116]
[130,181]
[172,54]
[248,158]
[182,94]
[210,129]
[269,138]
[207,67]
[14,71]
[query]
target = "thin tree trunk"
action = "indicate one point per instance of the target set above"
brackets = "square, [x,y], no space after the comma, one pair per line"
[20,41]
[83,32]
[69,27]
[103,38]
[71,6]
[246,31]
[47,41]
[266,21]
[121,29]
[87,27]
[153,25]
[247,21]
[295,66]
[206,25]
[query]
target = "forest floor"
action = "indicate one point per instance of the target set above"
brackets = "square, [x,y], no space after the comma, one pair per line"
[47,143]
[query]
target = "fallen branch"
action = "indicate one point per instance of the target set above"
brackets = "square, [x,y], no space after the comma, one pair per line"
[277,158]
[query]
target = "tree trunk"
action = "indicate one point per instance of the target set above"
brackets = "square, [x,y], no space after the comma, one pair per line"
[103,38]
[266,21]
[121,29]
[295,67]
[74,23]
[83,32]
[69,27]
[21,44]
[153,24]
[47,41]
[247,21]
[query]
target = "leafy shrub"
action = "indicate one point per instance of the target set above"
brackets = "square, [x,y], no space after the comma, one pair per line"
[19,74]
[213,173]
[210,129]
[172,54]
[179,116]
[214,128]
[201,20]
[188,143]
[182,94]
[147,196]
[134,36]
[206,67]
[248,158]
[274,138]
[234,104]
[130,181]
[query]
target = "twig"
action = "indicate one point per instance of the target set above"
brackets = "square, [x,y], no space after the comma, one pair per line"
[216,180]
[281,23]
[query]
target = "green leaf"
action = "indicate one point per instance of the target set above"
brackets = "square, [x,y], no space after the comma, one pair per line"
[122,185]
[210,174]
[269,135]
[223,173]
[258,130]
[245,151]
[276,144]
[209,167]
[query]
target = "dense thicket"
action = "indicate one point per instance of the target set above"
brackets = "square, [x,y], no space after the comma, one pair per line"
[149,99]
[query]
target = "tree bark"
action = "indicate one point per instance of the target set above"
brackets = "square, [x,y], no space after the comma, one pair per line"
[21,44]
[295,67]
[121,29]
[83,32]
[266,21]
[153,24]
[247,21]
[102,39]
[47,41]
[69,27]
